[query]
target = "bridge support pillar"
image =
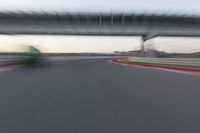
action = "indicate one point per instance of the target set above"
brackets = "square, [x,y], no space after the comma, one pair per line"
[143,50]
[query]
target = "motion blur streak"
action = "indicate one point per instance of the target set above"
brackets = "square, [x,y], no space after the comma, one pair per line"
[94,96]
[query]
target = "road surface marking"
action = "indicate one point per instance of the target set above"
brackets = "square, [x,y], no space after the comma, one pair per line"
[155,68]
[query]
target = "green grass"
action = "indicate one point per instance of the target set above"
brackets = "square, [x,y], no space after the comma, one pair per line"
[192,55]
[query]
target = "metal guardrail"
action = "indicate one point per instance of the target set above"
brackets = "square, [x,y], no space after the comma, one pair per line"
[10,58]
[175,61]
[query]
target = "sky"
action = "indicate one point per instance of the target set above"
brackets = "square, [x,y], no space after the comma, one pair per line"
[99,44]
[166,6]
[69,43]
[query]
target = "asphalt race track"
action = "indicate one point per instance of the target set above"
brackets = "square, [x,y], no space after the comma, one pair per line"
[95,96]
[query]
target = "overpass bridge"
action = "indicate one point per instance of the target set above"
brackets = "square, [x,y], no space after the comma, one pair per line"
[104,24]
[112,24]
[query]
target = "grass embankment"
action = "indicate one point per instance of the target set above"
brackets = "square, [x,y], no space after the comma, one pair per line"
[191,55]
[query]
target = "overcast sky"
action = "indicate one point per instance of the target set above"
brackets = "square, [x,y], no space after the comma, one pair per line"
[100,44]
[154,6]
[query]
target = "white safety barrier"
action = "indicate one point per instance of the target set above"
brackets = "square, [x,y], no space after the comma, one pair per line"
[177,61]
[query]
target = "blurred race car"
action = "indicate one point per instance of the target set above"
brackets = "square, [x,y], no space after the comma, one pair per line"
[33,56]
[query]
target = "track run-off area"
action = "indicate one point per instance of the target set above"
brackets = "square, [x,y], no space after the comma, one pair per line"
[96,96]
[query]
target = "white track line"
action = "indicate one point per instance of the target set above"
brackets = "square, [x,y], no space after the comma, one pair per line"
[5,69]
